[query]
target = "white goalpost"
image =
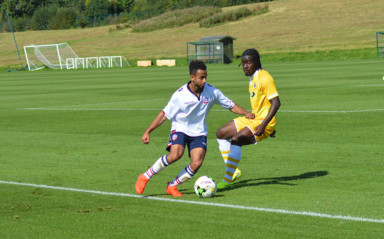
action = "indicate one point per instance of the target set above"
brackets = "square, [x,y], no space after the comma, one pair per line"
[112,61]
[52,55]
[96,62]
[61,56]
[91,62]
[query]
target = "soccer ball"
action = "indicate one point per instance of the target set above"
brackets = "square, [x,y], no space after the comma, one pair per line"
[205,187]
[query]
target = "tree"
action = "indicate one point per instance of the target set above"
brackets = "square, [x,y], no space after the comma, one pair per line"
[42,16]
[97,7]
[20,8]
[63,19]
[125,5]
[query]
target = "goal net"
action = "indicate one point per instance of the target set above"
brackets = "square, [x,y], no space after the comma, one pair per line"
[53,56]
[61,56]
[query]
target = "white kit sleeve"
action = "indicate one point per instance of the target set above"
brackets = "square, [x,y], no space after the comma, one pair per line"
[222,100]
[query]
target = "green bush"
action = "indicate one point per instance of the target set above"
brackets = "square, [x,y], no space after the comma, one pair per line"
[81,20]
[19,24]
[97,7]
[233,15]
[175,18]
[63,19]
[42,17]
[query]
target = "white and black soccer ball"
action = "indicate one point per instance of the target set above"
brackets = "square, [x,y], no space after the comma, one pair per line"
[205,187]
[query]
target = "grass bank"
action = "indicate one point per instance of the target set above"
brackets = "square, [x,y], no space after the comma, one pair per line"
[290,30]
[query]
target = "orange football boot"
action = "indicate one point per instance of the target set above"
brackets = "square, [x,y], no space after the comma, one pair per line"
[172,190]
[140,183]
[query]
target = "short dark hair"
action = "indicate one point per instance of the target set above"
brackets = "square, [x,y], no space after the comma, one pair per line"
[255,56]
[196,65]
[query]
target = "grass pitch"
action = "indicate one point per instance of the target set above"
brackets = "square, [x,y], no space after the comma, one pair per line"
[82,130]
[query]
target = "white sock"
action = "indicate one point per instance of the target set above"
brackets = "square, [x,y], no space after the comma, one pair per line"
[183,176]
[224,147]
[233,160]
[157,167]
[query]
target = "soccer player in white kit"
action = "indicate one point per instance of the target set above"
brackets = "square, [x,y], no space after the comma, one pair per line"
[188,109]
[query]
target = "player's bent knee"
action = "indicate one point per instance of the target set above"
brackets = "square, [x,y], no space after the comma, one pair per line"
[172,157]
[241,140]
[224,133]
[219,134]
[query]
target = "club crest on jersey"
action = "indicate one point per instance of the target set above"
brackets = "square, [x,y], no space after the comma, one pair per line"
[252,94]
[254,86]
[205,100]
[174,137]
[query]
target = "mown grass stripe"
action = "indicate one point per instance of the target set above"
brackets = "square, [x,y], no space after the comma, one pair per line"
[280,211]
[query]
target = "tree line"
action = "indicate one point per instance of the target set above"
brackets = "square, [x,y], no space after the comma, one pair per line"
[64,14]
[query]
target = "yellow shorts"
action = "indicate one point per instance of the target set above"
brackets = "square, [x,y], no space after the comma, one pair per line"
[242,122]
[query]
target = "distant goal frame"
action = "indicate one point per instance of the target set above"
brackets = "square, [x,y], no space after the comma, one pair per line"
[96,62]
[61,56]
[380,44]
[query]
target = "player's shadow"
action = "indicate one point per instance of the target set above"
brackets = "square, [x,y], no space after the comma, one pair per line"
[286,180]
[183,191]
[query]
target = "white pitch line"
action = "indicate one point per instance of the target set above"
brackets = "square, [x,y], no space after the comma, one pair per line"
[280,211]
[110,103]
[132,109]
[91,109]
[381,85]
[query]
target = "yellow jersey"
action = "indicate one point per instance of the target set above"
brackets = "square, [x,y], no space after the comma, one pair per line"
[262,88]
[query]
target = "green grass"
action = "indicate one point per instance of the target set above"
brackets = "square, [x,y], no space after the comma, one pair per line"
[82,129]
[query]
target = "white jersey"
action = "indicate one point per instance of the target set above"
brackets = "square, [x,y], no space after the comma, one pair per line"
[189,112]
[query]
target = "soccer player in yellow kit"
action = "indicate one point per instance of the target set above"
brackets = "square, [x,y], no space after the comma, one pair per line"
[241,131]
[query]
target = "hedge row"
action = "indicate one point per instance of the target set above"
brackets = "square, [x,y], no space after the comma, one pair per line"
[206,16]
[233,15]
[45,18]
[175,18]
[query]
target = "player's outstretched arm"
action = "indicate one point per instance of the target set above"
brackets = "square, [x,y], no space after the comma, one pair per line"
[237,109]
[159,120]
